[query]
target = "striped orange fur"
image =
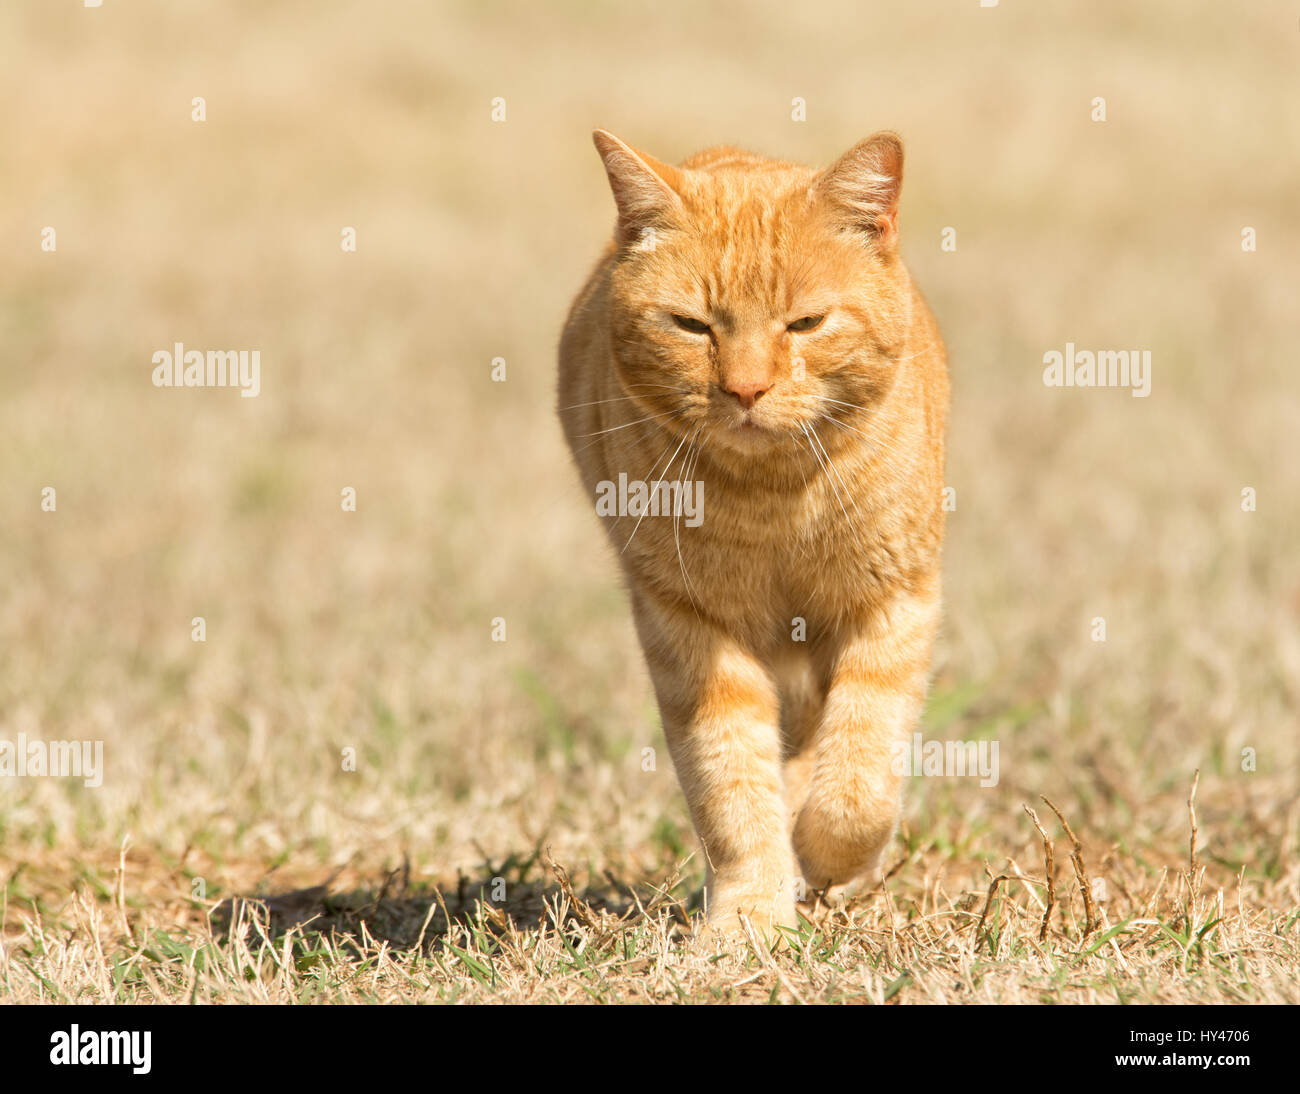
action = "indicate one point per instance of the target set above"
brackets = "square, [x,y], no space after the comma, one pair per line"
[752,328]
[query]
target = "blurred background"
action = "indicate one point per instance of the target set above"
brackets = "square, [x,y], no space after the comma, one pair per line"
[371,630]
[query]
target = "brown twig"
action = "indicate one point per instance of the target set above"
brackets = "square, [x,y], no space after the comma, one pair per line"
[585,913]
[1091,919]
[121,889]
[1049,872]
[1193,860]
[988,901]
[664,896]
[437,892]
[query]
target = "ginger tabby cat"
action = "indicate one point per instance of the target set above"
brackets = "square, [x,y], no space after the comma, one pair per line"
[751,328]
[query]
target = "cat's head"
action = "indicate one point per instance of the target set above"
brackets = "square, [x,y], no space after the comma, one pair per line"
[752,298]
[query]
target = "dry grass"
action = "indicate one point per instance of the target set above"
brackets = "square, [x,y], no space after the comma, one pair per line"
[371,630]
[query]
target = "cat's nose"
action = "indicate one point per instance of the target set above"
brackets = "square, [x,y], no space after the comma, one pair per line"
[747,391]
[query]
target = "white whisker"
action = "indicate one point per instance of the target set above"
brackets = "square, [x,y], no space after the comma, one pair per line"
[817,454]
[652,484]
[599,402]
[835,470]
[686,581]
[629,425]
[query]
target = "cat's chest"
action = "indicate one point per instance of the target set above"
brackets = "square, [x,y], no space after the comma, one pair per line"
[760,559]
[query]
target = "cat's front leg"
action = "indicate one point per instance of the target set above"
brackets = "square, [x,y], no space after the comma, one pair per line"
[877,686]
[720,713]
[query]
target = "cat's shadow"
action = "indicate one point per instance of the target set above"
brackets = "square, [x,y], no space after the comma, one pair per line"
[517,893]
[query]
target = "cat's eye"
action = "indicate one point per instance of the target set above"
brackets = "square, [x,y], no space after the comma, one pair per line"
[695,326]
[808,322]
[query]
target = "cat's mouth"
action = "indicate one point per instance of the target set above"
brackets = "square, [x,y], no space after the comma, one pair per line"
[747,432]
[748,425]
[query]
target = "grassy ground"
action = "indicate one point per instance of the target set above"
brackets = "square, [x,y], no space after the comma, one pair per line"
[500,837]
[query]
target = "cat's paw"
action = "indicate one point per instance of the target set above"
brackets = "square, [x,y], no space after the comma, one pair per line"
[755,921]
[838,864]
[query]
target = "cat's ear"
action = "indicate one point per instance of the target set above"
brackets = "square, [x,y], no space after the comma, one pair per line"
[645,190]
[863,185]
